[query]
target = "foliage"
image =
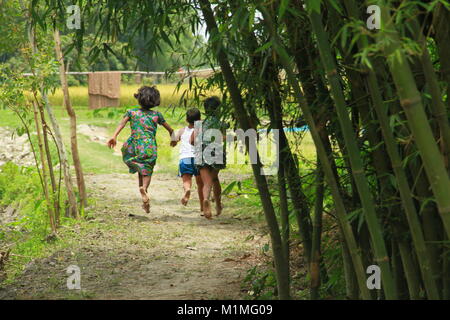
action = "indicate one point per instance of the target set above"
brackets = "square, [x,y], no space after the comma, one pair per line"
[375,103]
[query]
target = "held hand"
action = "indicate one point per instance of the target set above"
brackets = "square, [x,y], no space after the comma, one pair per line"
[112,143]
[173,143]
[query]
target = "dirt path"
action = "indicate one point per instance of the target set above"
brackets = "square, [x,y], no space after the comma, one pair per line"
[171,253]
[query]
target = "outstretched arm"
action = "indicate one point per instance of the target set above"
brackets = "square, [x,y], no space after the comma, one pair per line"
[176,137]
[170,130]
[113,141]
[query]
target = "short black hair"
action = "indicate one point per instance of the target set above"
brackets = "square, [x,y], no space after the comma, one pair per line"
[211,104]
[148,97]
[193,115]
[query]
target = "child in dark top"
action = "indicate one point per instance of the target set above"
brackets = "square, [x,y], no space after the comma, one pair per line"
[209,169]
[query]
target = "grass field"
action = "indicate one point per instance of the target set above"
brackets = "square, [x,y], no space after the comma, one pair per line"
[80,97]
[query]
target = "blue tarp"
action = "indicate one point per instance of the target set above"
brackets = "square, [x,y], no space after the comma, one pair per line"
[300,129]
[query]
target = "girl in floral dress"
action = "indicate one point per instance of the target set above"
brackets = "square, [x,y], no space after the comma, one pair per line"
[139,152]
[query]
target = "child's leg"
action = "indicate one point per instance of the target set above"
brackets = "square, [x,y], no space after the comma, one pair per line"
[205,173]
[146,182]
[217,189]
[187,184]
[143,189]
[140,180]
[199,181]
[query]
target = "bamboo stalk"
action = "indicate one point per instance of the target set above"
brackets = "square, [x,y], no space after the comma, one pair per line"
[404,189]
[376,233]
[441,16]
[437,105]
[351,282]
[411,273]
[331,181]
[276,119]
[411,102]
[402,181]
[317,233]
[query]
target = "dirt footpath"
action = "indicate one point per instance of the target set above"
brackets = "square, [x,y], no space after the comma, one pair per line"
[171,253]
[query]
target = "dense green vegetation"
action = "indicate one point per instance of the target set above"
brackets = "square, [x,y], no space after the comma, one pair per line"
[368,184]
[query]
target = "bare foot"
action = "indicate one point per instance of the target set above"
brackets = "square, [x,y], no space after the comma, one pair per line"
[219,208]
[207,209]
[143,194]
[185,199]
[146,206]
[145,200]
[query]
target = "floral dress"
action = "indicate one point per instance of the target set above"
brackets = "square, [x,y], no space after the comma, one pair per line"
[208,152]
[139,152]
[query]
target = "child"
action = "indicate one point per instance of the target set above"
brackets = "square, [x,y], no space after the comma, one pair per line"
[187,167]
[209,170]
[139,152]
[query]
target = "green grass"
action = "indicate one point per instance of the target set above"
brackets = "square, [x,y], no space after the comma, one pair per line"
[20,188]
[80,97]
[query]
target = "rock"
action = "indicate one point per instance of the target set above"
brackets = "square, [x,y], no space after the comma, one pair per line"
[14,148]
[8,215]
[10,211]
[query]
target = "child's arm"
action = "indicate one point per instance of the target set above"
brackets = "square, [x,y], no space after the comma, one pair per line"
[193,136]
[113,141]
[169,129]
[177,137]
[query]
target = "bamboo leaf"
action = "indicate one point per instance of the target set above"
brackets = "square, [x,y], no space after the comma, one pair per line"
[264,47]
[282,9]
[229,188]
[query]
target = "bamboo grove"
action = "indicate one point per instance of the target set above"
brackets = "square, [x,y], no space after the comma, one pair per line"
[375,102]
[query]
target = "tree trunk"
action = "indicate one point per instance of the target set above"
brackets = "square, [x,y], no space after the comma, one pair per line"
[50,209]
[64,162]
[73,125]
[52,199]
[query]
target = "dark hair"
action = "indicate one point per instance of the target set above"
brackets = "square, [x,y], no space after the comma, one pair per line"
[148,97]
[211,104]
[193,115]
